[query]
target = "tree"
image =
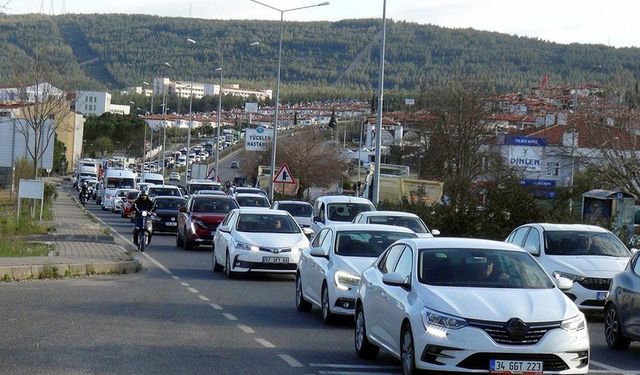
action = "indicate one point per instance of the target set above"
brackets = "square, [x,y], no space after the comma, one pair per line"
[332,121]
[102,145]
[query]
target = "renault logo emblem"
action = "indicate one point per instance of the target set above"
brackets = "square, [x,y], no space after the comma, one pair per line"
[517,329]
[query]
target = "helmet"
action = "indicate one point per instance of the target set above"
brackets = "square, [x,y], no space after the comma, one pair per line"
[144,194]
[84,184]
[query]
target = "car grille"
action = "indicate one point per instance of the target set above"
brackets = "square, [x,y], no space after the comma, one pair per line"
[275,250]
[595,283]
[500,334]
[480,361]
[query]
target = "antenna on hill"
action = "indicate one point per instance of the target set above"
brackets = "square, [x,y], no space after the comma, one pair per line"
[63,8]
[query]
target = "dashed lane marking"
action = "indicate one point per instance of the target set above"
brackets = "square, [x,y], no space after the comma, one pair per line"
[246,329]
[215,306]
[175,277]
[229,316]
[193,290]
[203,298]
[264,342]
[183,283]
[360,367]
[290,360]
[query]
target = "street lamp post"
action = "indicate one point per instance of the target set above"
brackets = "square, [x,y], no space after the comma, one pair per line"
[277,102]
[376,176]
[164,123]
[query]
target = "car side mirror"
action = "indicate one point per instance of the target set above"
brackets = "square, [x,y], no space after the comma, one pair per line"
[634,250]
[319,252]
[532,250]
[317,219]
[435,232]
[225,229]
[183,209]
[396,279]
[307,232]
[564,284]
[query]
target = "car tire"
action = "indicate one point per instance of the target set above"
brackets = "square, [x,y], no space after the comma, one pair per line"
[364,348]
[407,351]
[227,267]
[216,267]
[613,329]
[301,304]
[179,240]
[327,316]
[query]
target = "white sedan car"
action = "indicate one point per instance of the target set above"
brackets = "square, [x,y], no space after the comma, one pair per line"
[398,218]
[258,240]
[467,305]
[329,272]
[588,255]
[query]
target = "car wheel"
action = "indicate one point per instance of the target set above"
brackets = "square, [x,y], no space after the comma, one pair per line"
[407,352]
[217,267]
[179,240]
[613,329]
[227,267]
[364,348]
[188,245]
[327,316]
[301,303]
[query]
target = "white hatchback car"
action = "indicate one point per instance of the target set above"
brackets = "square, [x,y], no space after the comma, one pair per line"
[467,305]
[398,218]
[588,255]
[258,240]
[329,272]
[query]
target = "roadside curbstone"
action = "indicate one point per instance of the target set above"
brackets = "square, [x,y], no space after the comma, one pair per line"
[21,272]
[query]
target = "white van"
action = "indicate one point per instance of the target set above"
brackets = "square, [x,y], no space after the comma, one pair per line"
[336,209]
[152,178]
[113,180]
[85,169]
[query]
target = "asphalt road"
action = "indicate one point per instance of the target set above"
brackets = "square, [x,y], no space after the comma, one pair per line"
[177,316]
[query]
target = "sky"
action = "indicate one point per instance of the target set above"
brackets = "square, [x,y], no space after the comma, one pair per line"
[612,22]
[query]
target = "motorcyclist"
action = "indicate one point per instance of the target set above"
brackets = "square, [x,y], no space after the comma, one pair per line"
[84,189]
[142,203]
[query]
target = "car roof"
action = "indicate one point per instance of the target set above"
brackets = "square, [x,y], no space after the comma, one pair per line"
[203,181]
[168,197]
[461,243]
[343,199]
[260,210]
[293,202]
[210,196]
[569,227]
[368,227]
[164,187]
[249,195]
[388,213]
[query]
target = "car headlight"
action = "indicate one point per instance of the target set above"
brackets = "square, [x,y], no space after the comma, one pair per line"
[575,324]
[570,276]
[246,246]
[346,281]
[435,321]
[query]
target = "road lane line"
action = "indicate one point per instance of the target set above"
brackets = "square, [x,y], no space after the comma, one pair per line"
[203,298]
[246,329]
[193,290]
[264,342]
[290,360]
[611,368]
[229,316]
[215,307]
[183,283]
[361,367]
[175,277]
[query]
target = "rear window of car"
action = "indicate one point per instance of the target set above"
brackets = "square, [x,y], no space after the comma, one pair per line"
[213,205]
[132,195]
[347,211]
[366,243]
[154,192]
[252,201]
[296,209]
[169,204]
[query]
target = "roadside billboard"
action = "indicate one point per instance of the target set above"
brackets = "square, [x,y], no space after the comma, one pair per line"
[258,139]
[526,157]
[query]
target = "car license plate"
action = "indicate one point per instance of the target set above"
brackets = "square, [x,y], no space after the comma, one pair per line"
[601,296]
[275,260]
[501,366]
[171,224]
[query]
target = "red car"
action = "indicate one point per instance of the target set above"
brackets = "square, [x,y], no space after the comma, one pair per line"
[128,203]
[198,221]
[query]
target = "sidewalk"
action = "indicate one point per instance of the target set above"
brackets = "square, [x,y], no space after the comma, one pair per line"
[81,246]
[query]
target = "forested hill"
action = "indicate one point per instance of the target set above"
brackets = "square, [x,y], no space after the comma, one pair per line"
[116,51]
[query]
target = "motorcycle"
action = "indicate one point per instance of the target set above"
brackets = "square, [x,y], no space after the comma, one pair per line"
[84,198]
[143,232]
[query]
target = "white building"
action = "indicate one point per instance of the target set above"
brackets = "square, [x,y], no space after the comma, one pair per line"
[183,89]
[95,103]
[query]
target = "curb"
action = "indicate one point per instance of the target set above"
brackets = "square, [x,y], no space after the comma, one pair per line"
[52,237]
[63,270]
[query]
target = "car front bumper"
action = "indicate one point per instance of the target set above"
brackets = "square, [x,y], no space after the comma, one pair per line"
[262,261]
[587,299]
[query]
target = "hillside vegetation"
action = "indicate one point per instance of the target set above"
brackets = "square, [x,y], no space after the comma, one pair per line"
[115,51]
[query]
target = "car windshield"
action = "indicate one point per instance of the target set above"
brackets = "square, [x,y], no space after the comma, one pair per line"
[169,203]
[154,192]
[122,193]
[413,223]
[584,243]
[194,188]
[115,182]
[296,209]
[216,206]
[481,268]
[267,223]
[252,201]
[366,243]
[241,190]
[347,211]
[132,195]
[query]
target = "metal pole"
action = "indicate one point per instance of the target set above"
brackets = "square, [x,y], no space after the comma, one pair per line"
[359,159]
[274,144]
[219,120]
[573,147]
[188,167]
[13,163]
[376,187]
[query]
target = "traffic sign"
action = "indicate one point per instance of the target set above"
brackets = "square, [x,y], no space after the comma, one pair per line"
[284,175]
